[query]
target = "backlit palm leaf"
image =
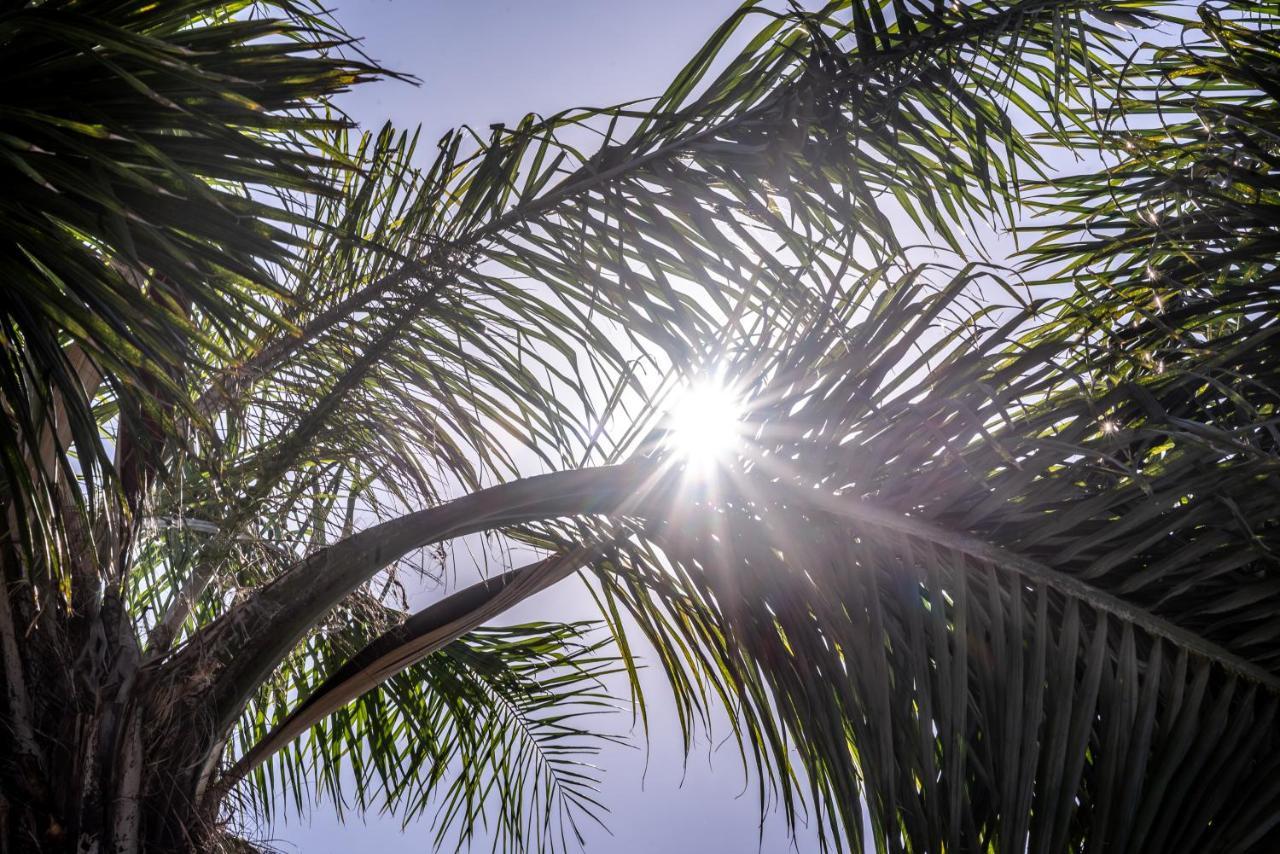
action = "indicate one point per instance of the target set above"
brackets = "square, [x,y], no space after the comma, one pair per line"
[996,562]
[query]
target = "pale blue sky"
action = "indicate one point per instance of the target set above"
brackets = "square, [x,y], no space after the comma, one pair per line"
[484,61]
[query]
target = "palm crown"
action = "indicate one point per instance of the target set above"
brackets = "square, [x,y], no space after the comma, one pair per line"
[993,566]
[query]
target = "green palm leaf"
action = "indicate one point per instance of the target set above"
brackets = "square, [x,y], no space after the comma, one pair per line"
[993,569]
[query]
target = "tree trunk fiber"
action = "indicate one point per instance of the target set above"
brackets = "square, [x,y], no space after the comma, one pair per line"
[108,770]
[118,747]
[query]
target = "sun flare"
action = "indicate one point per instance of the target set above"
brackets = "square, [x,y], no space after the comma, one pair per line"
[706,422]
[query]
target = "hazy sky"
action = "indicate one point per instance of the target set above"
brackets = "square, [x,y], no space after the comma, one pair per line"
[483,61]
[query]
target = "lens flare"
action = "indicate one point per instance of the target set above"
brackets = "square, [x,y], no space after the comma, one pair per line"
[706,423]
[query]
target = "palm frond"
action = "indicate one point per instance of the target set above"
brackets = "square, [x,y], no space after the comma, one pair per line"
[142,143]
[996,562]
[686,209]
[494,734]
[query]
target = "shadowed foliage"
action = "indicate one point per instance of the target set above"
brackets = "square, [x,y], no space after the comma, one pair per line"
[992,568]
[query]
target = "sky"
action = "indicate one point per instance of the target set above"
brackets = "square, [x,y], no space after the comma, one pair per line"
[479,62]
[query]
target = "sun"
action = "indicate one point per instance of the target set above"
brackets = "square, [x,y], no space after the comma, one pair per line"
[705,423]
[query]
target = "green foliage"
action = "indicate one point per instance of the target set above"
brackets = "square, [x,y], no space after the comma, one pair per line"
[142,143]
[996,564]
[497,727]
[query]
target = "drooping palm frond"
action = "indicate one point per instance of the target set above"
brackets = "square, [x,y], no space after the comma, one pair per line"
[529,207]
[1038,611]
[996,563]
[494,731]
[1061,635]
[142,142]
[653,256]
[1074,646]
[645,281]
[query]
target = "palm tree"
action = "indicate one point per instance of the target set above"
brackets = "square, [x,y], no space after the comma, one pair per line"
[992,566]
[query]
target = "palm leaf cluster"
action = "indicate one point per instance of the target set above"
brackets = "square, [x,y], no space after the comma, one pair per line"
[140,155]
[994,569]
[505,716]
[1070,605]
